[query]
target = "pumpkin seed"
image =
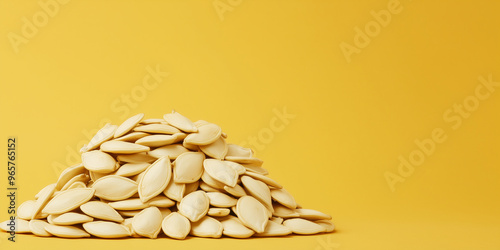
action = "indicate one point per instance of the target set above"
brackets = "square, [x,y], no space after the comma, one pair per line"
[159,140]
[77,184]
[101,210]
[132,137]
[326,224]
[147,223]
[245,160]
[176,226]
[136,158]
[152,121]
[284,212]
[22,226]
[188,167]
[234,228]
[106,229]
[181,122]
[208,180]
[172,151]
[239,151]
[66,231]
[128,124]
[105,133]
[264,179]
[25,210]
[255,169]
[252,213]
[275,229]
[157,129]
[131,169]
[221,172]
[67,174]
[96,176]
[259,190]
[67,219]
[68,200]
[122,147]
[194,205]
[284,198]
[155,179]
[207,227]
[206,134]
[114,187]
[218,212]
[311,214]
[37,227]
[236,166]
[301,226]
[79,178]
[98,161]
[175,191]
[237,190]
[217,149]
[278,220]
[221,200]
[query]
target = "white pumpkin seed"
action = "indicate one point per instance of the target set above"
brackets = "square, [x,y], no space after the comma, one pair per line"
[172,151]
[155,179]
[284,198]
[67,219]
[236,166]
[175,191]
[237,190]
[84,178]
[68,200]
[218,212]
[207,227]
[176,226]
[105,133]
[284,212]
[259,190]
[158,140]
[161,202]
[147,223]
[189,146]
[326,224]
[114,187]
[311,214]
[21,226]
[66,231]
[252,213]
[37,227]
[255,169]
[25,210]
[234,228]
[67,174]
[264,179]
[194,205]
[96,176]
[216,149]
[129,213]
[275,229]
[181,122]
[278,220]
[77,184]
[157,129]
[132,137]
[188,167]
[128,124]
[221,200]
[136,158]
[106,229]
[245,160]
[239,151]
[98,161]
[301,226]
[152,121]
[207,188]
[101,210]
[208,180]
[206,134]
[221,172]
[131,169]
[122,147]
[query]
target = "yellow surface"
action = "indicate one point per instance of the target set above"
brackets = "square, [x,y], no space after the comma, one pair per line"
[353,117]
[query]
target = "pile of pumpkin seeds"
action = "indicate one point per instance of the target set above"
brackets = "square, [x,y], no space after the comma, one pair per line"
[170,176]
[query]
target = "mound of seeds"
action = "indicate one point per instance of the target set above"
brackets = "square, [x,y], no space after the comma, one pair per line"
[170,176]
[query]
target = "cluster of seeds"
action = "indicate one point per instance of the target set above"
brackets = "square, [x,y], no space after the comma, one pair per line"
[167,175]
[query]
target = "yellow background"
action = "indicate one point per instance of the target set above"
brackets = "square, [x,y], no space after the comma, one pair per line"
[352,120]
